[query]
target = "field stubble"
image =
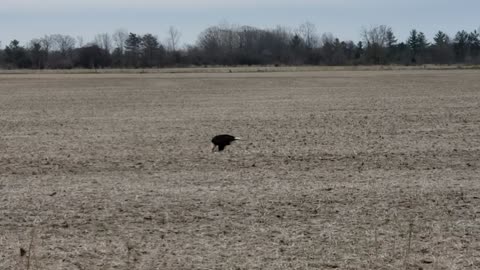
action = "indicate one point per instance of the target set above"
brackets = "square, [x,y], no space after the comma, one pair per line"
[340,169]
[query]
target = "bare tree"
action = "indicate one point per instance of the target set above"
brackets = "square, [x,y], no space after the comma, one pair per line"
[103,41]
[329,48]
[308,32]
[173,38]
[228,36]
[64,43]
[376,35]
[119,38]
[327,38]
[80,41]
[377,40]
[283,34]
[47,43]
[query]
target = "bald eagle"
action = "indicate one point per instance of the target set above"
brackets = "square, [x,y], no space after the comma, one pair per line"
[223,140]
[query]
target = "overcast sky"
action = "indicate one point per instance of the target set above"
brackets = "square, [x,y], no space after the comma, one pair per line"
[27,19]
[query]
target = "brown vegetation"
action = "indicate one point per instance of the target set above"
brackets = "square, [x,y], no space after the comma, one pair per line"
[338,169]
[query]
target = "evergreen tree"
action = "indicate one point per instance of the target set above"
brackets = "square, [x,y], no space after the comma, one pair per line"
[418,45]
[150,46]
[442,52]
[133,50]
[37,55]
[93,56]
[359,50]
[461,45]
[474,45]
[391,39]
[296,42]
[441,39]
[391,45]
[16,56]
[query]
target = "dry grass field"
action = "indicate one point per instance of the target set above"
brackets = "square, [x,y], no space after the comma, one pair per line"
[338,170]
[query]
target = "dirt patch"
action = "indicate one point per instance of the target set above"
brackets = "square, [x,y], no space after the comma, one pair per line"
[339,169]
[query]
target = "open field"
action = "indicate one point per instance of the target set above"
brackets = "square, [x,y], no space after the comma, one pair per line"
[339,169]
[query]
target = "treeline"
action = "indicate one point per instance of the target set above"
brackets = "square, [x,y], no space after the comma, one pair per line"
[242,45]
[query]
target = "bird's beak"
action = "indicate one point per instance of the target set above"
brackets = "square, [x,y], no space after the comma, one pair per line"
[238,139]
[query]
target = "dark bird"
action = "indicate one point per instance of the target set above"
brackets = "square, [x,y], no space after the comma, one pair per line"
[223,140]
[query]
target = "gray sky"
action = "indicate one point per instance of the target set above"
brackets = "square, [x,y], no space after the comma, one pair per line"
[27,19]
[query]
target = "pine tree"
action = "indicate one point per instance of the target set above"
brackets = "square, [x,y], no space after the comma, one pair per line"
[442,52]
[16,55]
[441,39]
[474,44]
[132,49]
[418,45]
[461,45]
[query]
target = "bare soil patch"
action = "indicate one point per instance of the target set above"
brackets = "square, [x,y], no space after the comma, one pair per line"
[339,170]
